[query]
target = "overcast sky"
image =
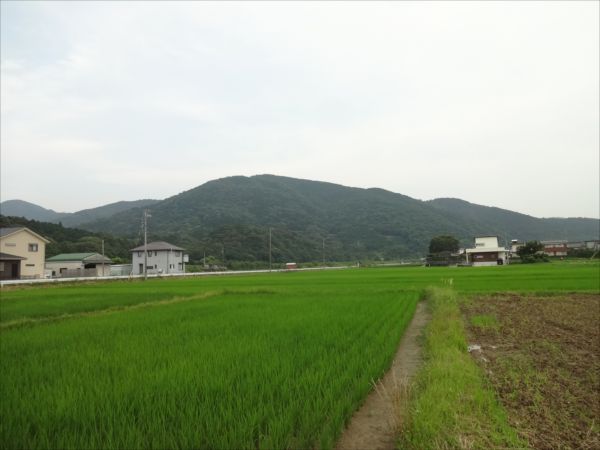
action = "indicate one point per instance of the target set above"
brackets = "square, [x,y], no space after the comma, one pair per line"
[494,103]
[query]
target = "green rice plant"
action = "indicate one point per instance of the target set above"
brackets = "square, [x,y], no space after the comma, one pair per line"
[53,301]
[249,368]
[451,404]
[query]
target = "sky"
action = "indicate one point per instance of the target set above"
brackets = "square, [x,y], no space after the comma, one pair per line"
[496,103]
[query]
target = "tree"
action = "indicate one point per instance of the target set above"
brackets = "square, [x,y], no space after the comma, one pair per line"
[443,244]
[532,252]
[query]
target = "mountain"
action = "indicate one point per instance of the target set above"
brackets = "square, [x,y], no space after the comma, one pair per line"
[231,217]
[20,208]
[101,212]
[511,225]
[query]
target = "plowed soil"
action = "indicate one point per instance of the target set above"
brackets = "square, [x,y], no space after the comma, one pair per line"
[542,355]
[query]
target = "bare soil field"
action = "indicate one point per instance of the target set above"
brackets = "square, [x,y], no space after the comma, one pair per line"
[542,355]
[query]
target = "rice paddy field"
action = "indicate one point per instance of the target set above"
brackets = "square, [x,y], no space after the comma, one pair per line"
[257,361]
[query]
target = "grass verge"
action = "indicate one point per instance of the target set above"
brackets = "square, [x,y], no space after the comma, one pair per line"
[451,405]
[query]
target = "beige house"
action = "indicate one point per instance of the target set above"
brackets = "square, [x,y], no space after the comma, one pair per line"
[22,254]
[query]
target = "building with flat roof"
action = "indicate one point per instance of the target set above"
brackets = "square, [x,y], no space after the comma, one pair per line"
[487,252]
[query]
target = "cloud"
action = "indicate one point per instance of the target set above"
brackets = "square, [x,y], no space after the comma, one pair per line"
[427,99]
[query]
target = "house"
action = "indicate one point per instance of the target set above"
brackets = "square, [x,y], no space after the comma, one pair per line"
[555,248]
[515,245]
[487,252]
[22,253]
[72,265]
[162,258]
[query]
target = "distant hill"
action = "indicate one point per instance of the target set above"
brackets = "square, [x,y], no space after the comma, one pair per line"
[102,212]
[31,211]
[231,216]
[21,208]
[511,225]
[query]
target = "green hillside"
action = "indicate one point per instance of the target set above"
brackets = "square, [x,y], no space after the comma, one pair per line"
[231,217]
[20,208]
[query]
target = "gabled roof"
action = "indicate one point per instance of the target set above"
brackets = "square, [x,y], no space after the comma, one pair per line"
[5,232]
[156,246]
[8,257]
[88,258]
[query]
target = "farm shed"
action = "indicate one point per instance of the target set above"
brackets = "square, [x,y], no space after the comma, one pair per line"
[163,257]
[555,248]
[29,249]
[487,252]
[68,265]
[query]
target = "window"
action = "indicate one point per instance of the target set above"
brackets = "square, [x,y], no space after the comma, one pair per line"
[139,254]
[1,267]
[149,254]
[155,266]
[155,253]
[176,253]
[30,265]
[10,244]
[33,247]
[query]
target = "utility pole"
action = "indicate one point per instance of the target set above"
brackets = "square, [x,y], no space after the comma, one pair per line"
[323,252]
[146,215]
[103,257]
[270,259]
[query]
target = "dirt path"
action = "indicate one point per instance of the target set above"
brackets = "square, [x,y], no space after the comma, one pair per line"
[375,425]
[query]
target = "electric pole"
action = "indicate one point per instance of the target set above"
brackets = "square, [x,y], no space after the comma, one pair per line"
[146,215]
[103,257]
[323,254]
[270,259]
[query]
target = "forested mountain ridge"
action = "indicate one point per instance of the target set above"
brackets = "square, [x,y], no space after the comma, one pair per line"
[231,216]
[31,211]
[512,225]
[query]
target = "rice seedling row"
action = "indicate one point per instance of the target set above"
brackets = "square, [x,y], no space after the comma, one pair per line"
[268,369]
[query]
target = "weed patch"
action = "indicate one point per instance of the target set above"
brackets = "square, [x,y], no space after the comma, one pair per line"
[544,363]
[451,405]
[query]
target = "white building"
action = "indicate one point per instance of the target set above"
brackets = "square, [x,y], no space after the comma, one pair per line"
[487,252]
[162,258]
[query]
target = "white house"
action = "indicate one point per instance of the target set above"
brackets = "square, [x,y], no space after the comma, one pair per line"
[487,252]
[162,258]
